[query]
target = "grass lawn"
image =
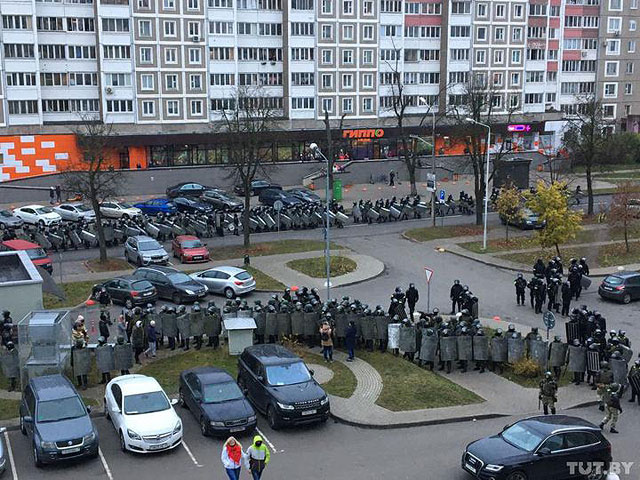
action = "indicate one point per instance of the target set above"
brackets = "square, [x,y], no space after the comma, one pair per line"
[529,258]
[316,267]
[616,254]
[167,370]
[406,386]
[426,234]
[495,245]
[9,409]
[268,248]
[111,265]
[75,292]
[264,281]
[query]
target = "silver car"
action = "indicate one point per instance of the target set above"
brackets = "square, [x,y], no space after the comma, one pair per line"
[9,220]
[74,212]
[142,250]
[228,281]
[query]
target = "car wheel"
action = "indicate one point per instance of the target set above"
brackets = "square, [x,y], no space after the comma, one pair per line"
[41,223]
[626,299]
[229,293]
[125,216]
[123,444]
[203,427]
[181,401]
[273,420]
[128,303]
[175,298]
[2,226]
[182,259]
[517,476]
[22,427]
[36,458]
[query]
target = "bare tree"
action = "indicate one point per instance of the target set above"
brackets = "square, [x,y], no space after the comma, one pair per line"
[624,211]
[586,137]
[252,116]
[330,143]
[477,101]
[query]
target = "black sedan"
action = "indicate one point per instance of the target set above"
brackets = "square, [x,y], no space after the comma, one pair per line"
[186,189]
[304,194]
[256,187]
[269,197]
[221,200]
[538,448]
[128,290]
[622,287]
[214,398]
[188,205]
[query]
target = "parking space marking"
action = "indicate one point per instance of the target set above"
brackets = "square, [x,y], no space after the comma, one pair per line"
[193,459]
[14,472]
[271,445]
[105,464]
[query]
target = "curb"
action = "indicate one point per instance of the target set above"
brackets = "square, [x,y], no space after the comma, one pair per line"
[356,282]
[420,423]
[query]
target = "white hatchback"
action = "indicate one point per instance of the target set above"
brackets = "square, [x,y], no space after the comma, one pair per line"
[37,215]
[142,414]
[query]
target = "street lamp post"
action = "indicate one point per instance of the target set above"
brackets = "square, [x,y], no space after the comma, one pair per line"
[486,181]
[327,252]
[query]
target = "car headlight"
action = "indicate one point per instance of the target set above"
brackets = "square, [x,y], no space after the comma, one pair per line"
[284,406]
[206,289]
[252,418]
[324,401]
[217,424]
[89,438]
[189,292]
[133,435]
[48,445]
[494,468]
[178,427]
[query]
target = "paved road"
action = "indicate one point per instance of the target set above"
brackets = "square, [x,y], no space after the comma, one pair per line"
[335,451]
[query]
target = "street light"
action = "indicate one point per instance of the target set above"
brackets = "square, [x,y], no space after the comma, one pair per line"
[433,159]
[327,252]
[486,180]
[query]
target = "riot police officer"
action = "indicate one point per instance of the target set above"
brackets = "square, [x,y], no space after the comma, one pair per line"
[521,285]
[456,296]
[548,391]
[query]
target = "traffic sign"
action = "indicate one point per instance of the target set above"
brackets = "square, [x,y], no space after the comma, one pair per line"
[442,193]
[277,205]
[428,273]
[549,319]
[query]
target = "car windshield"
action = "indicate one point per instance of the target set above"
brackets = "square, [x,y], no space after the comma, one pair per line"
[613,280]
[288,374]
[191,244]
[141,285]
[36,253]
[5,213]
[146,246]
[243,276]
[43,210]
[519,435]
[221,392]
[60,409]
[179,277]
[84,208]
[145,403]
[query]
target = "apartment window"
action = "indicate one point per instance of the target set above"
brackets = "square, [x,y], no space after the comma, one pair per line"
[387,55]
[19,50]
[615,4]
[537,10]
[219,104]
[327,105]
[614,24]
[459,54]
[171,55]
[391,6]
[270,29]
[80,24]
[193,4]
[23,107]
[303,103]
[367,7]
[500,11]
[367,32]
[194,29]
[169,4]
[173,108]
[611,69]
[516,34]
[15,22]
[221,53]
[327,7]
[148,108]
[633,4]
[613,47]
[347,57]
[532,98]
[498,34]
[550,98]
[46,79]
[196,107]
[327,57]
[326,32]
[481,57]
[481,33]
[367,80]
[610,90]
[633,25]
[458,77]
[144,27]
[169,27]
[552,55]
[347,32]
[554,10]
[591,22]
[171,82]
[221,3]
[498,79]
[367,57]
[367,105]
[195,57]
[498,57]
[347,7]
[18,79]
[303,79]
[390,30]
[460,8]
[535,54]
[146,55]
[119,106]
[347,80]
[481,10]
[246,28]
[301,54]
[609,111]
[302,29]
[270,4]
[347,105]
[628,89]
[221,28]
[496,101]
[82,52]
[147,82]
[118,79]
[53,52]
[50,24]
[515,79]
[302,4]
[514,101]
[117,52]
[536,32]
[55,106]
[115,24]
[195,81]
[518,11]
[553,33]
[460,31]
[535,77]
[143,4]
[516,57]
[628,69]
[327,81]
[631,46]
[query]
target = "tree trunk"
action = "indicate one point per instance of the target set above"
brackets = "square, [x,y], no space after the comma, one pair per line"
[102,244]
[411,168]
[246,231]
[557,249]
[589,191]
[626,237]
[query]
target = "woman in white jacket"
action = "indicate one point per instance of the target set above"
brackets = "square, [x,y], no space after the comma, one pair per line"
[232,457]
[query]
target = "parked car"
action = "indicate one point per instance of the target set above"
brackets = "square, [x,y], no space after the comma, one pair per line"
[128,290]
[623,287]
[186,189]
[304,194]
[156,206]
[172,284]
[143,250]
[188,205]
[215,400]
[229,281]
[280,385]
[74,212]
[541,447]
[221,200]
[269,196]
[9,220]
[527,221]
[142,414]
[256,187]
[56,421]
[38,215]
[189,249]
[3,454]
[119,210]
[36,253]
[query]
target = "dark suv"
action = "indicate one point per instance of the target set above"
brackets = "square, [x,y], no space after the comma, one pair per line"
[280,386]
[128,290]
[269,196]
[172,284]
[55,419]
[622,287]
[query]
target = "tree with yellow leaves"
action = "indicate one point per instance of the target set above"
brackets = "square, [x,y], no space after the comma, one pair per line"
[551,204]
[509,206]
[624,209]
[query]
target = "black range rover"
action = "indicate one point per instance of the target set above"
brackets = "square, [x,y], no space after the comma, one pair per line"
[280,385]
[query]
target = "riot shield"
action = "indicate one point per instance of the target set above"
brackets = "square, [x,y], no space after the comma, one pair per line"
[271,324]
[158,318]
[297,323]
[184,325]
[593,360]
[499,349]
[619,369]
[10,364]
[557,354]
[448,349]
[169,324]
[81,361]
[310,323]
[283,320]
[123,356]
[634,380]
[577,359]
[196,320]
[515,349]
[538,352]
[480,347]
[261,322]
[368,327]
[573,331]
[627,353]
[105,359]
[407,339]
[465,347]
[382,327]
[341,324]
[585,282]
[356,318]
[428,347]
[393,333]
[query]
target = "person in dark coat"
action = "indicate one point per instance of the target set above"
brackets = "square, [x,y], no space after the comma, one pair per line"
[566,298]
[539,269]
[236,224]
[585,267]
[137,340]
[350,340]
[103,326]
[412,297]
[455,294]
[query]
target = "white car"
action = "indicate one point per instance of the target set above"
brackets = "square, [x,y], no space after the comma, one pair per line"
[229,281]
[38,215]
[119,210]
[75,212]
[142,414]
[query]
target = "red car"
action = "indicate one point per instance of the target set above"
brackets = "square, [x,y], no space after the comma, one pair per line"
[189,249]
[36,253]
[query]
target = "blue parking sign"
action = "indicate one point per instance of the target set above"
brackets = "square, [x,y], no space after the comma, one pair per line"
[442,194]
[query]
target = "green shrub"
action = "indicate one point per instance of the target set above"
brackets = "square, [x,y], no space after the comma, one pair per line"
[526,368]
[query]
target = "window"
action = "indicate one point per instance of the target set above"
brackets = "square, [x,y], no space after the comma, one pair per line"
[614,24]
[515,79]
[481,57]
[221,28]
[633,4]
[631,46]
[171,55]
[516,57]
[615,4]
[193,4]
[500,11]
[327,81]
[367,80]
[367,105]
[144,28]
[326,32]
[147,82]
[143,4]
[518,11]
[169,27]
[347,7]
[537,10]
[347,80]
[609,111]
[628,69]
[301,54]
[516,34]
[119,106]
[15,22]
[481,10]
[367,32]
[302,4]
[118,79]
[391,6]
[173,108]
[610,90]
[146,55]
[117,52]
[628,89]
[498,57]
[195,81]
[80,24]
[16,79]
[460,8]
[633,24]
[23,107]
[270,5]
[115,25]
[460,31]
[50,24]
[611,69]
[498,34]
[219,104]
[303,103]
[347,57]
[171,82]
[148,108]
[550,98]
[613,47]
[303,78]
[537,32]
[347,32]
[496,101]
[221,3]
[196,107]
[300,29]
[535,77]
[532,98]
[19,50]
[194,29]
[54,52]
[169,4]
[327,105]
[327,7]
[390,30]
[347,105]
[535,54]
[367,57]
[458,77]
[459,54]
[84,105]
[481,33]
[367,7]
[246,28]
[389,55]
[82,52]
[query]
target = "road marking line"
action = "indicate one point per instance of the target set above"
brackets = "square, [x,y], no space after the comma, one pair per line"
[104,464]
[193,459]
[264,437]
[14,473]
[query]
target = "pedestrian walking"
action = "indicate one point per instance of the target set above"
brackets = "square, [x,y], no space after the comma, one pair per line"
[236,224]
[59,194]
[326,340]
[52,195]
[350,340]
[412,297]
[392,178]
[137,340]
[152,339]
[231,457]
[258,457]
